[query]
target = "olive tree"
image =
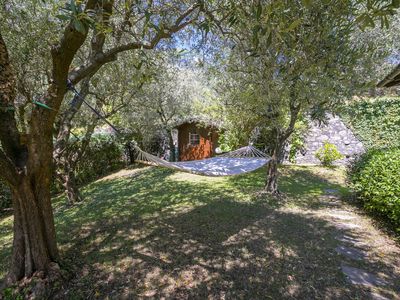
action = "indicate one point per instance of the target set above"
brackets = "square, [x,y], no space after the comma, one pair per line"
[177,92]
[295,59]
[110,27]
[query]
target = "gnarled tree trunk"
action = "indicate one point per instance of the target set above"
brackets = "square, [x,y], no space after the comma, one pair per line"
[34,245]
[281,136]
[70,185]
[26,165]
[271,183]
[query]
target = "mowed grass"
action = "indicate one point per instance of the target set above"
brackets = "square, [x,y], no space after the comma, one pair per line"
[153,232]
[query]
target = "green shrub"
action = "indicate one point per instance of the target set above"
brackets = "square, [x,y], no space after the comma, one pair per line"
[297,139]
[375,178]
[103,155]
[296,146]
[327,154]
[375,121]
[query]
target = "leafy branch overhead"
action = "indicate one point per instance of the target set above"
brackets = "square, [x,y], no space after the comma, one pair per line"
[261,67]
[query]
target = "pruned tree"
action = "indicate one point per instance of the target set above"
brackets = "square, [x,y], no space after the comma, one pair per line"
[295,59]
[26,160]
[112,89]
[176,93]
[70,48]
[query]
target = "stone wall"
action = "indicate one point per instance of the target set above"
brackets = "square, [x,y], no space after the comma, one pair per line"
[335,132]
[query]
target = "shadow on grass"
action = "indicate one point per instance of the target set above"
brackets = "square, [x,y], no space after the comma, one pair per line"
[298,183]
[167,234]
[175,235]
[221,249]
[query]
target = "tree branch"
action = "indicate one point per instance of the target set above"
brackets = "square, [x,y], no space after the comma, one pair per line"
[93,66]
[9,133]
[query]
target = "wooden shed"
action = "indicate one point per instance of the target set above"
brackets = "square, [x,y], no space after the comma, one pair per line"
[196,140]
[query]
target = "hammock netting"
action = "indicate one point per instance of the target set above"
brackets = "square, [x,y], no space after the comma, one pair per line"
[237,162]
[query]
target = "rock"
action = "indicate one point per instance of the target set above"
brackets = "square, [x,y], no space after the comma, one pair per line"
[350,252]
[362,277]
[331,191]
[335,132]
[341,217]
[347,226]
[350,240]
[376,296]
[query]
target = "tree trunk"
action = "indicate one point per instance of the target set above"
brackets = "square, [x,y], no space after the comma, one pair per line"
[67,157]
[34,245]
[71,187]
[130,153]
[171,146]
[271,183]
[66,176]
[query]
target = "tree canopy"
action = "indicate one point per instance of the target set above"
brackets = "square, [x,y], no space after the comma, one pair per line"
[258,66]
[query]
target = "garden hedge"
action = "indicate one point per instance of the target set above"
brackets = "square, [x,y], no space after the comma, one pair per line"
[376,179]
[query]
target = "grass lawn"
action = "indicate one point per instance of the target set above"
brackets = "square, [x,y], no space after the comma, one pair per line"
[153,232]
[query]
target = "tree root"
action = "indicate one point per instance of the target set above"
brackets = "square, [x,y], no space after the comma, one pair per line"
[39,286]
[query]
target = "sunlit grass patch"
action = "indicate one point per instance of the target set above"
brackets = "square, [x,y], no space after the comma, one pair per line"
[5,243]
[145,192]
[161,227]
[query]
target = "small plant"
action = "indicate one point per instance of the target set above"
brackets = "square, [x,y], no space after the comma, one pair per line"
[297,145]
[327,154]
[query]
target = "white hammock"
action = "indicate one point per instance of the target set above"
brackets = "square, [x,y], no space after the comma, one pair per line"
[237,162]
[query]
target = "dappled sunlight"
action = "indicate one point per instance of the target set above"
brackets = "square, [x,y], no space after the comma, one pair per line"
[174,260]
[132,172]
[169,234]
[6,235]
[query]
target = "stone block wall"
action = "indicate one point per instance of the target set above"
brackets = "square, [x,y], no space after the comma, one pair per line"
[335,132]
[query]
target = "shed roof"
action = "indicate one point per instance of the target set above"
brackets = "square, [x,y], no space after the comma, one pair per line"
[204,121]
[392,79]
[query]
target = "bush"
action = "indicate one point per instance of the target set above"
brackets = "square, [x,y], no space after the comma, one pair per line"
[375,178]
[103,155]
[327,154]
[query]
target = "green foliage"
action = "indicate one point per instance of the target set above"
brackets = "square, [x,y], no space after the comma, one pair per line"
[103,155]
[375,177]
[5,196]
[376,11]
[74,11]
[327,154]
[297,139]
[376,174]
[375,121]
[228,140]
[296,146]
[11,293]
